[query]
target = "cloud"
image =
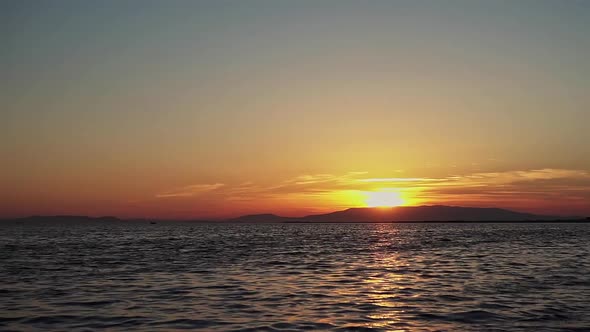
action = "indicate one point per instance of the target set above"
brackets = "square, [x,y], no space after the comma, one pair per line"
[548,185]
[190,190]
[322,178]
[396,180]
[545,184]
[492,183]
[529,175]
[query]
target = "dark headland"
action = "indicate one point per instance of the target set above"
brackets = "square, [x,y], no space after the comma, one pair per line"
[402,214]
[426,213]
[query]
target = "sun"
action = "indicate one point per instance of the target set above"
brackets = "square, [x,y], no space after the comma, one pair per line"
[383,199]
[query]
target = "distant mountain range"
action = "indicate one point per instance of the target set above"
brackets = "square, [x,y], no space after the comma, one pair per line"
[426,213]
[437,213]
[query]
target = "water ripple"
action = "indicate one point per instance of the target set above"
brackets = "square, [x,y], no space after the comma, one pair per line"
[295,277]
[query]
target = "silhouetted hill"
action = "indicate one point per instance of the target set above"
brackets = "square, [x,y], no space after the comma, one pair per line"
[435,213]
[426,213]
[432,213]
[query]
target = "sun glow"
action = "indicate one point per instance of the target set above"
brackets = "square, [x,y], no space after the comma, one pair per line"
[383,199]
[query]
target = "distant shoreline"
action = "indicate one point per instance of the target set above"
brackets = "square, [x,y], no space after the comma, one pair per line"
[573,221]
[401,215]
[110,221]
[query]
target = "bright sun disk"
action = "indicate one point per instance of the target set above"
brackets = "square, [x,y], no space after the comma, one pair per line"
[383,199]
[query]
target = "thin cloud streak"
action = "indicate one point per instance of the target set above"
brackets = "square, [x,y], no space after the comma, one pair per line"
[395,180]
[190,190]
[525,189]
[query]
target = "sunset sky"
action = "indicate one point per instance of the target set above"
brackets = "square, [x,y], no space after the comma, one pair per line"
[210,109]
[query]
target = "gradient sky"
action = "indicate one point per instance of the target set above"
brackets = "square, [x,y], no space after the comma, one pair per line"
[182,109]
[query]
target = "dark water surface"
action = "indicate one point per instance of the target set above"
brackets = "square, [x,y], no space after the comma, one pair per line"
[281,277]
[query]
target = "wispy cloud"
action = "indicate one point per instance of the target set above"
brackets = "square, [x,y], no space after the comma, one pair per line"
[528,175]
[190,190]
[396,180]
[541,190]
[486,188]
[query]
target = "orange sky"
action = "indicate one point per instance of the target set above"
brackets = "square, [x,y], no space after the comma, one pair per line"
[215,109]
[557,191]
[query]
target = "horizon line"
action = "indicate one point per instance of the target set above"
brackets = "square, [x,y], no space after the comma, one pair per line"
[217,219]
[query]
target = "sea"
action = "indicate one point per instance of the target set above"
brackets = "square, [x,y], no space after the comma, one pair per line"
[175,276]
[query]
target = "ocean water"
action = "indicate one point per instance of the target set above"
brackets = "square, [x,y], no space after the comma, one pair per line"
[292,277]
